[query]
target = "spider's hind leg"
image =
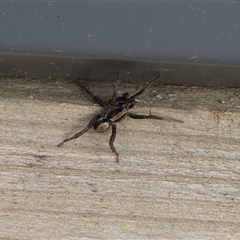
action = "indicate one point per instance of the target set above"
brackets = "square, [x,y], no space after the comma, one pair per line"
[111,140]
[77,135]
[150,116]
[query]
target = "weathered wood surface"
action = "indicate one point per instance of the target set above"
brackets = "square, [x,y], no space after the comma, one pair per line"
[174,181]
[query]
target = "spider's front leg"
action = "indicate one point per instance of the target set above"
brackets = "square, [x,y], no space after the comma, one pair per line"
[111,140]
[95,98]
[114,96]
[77,135]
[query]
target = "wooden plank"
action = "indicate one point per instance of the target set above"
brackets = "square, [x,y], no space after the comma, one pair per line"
[174,181]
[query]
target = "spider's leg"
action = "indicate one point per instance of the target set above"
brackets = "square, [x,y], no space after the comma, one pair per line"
[112,138]
[140,116]
[144,89]
[77,135]
[95,98]
[114,96]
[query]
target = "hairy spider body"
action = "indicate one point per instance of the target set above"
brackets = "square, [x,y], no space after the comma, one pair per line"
[113,112]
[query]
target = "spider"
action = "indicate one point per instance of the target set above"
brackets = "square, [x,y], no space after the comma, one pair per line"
[113,112]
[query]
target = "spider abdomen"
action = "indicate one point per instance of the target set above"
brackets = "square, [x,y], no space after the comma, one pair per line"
[101,125]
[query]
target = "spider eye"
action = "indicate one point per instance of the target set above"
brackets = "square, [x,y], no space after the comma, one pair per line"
[101,125]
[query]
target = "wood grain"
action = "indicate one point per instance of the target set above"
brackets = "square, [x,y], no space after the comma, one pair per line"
[174,181]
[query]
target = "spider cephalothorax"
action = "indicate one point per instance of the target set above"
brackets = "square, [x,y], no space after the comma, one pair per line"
[116,109]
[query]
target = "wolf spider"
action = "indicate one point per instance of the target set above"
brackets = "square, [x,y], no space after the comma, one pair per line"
[116,109]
